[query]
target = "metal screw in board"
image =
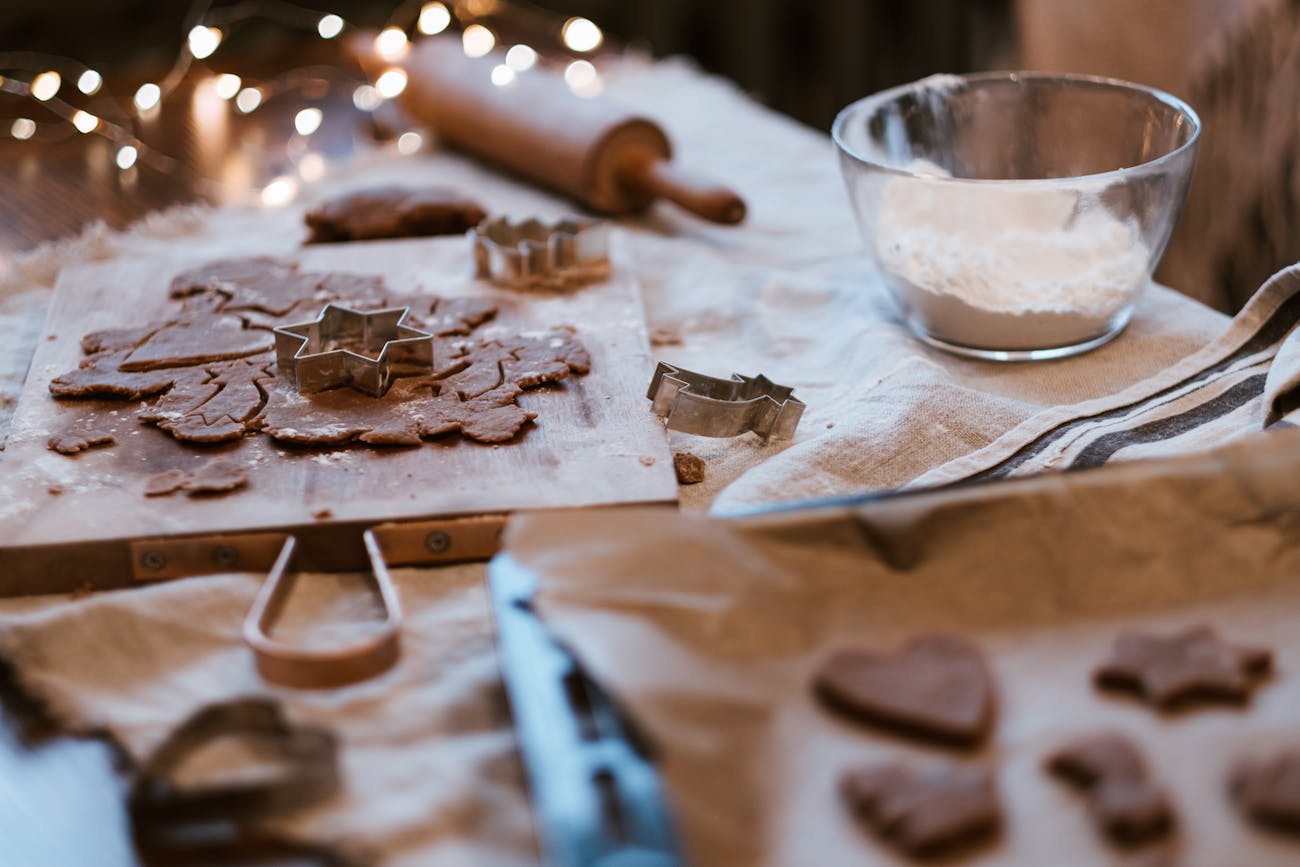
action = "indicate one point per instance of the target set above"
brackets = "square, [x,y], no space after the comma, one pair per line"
[225,556]
[437,541]
[153,560]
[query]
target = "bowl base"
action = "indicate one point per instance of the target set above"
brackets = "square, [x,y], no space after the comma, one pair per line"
[1045,354]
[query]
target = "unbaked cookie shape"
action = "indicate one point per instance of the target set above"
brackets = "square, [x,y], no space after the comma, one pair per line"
[207,373]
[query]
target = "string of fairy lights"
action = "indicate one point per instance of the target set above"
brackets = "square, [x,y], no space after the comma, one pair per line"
[76,95]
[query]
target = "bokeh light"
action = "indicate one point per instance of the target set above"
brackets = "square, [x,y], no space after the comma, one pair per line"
[391,83]
[478,40]
[308,120]
[46,85]
[126,157]
[521,57]
[148,96]
[434,18]
[329,26]
[90,82]
[203,41]
[580,34]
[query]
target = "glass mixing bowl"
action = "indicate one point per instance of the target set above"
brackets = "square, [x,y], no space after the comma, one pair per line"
[1017,215]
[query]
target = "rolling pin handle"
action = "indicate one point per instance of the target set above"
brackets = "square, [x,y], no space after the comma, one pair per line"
[657,177]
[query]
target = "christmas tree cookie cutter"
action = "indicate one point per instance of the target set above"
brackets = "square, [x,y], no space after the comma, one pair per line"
[705,405]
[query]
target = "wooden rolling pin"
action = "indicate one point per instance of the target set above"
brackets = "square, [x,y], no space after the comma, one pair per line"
[613,161]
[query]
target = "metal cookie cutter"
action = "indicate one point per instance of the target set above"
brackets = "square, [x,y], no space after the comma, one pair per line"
[364,350]
[533,253]
[304,761]
[708,406]
[290,665]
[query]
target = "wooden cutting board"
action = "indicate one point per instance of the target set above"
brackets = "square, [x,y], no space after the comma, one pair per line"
[73,522]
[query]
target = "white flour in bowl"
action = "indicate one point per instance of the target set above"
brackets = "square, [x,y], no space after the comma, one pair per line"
[996,267]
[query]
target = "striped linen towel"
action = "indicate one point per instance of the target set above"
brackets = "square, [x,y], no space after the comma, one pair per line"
[1246,380]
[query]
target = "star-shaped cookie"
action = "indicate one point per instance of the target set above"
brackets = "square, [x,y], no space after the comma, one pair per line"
[1194,663]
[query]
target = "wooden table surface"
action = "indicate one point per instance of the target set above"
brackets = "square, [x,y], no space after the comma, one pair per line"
[62,797]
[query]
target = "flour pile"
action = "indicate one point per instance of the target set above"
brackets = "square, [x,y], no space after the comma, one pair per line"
[1002,267]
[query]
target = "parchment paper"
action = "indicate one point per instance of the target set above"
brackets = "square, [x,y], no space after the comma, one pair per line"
[708,632]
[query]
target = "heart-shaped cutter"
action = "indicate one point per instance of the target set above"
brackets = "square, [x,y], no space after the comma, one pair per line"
[308,755]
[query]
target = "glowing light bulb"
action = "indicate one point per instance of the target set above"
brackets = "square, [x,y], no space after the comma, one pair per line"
[391,44]
[126,157]
[148,96]
[521,57]
[409,142]
[89,82]
[579,34]
[204,41]
[227,85]
[391,83]
[478,40]
[308,120]
[46,85]
[311,167]
[85,122]
[434,18]
[582,78]
[366,98]
[502,75]
[279,192]
[329,26]
[248,99]
[23,128]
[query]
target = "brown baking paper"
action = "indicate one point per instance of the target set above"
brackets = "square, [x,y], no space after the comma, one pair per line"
[707,631]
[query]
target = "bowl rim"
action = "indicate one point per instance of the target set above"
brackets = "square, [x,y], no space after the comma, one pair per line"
[882,96]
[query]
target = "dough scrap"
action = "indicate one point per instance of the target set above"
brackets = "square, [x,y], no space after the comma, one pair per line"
[118,339]
[213,375]
[101,376]
[164,483]
[220,406]
[393,212]
[196,341]
[689,468]
[414,409]
[217,476]
[78,439]
[444,317]
[524,360]
[545,358]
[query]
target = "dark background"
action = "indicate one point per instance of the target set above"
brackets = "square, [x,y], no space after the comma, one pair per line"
[804,57]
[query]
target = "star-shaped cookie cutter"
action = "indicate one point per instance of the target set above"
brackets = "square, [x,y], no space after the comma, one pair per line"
[538,254]
[365,350]
[705,405]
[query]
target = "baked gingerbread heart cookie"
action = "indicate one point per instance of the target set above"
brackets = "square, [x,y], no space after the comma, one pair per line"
[935,686]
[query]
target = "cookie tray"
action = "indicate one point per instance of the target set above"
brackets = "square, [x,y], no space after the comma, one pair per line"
[707,633]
